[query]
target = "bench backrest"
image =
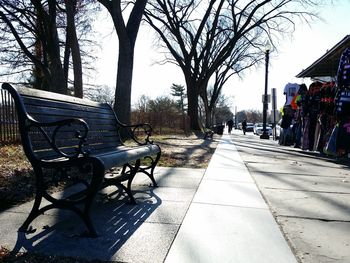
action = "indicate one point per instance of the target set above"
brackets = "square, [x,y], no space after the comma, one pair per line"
[48,107]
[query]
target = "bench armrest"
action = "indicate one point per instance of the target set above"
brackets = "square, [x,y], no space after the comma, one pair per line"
[143,129]
[80,135]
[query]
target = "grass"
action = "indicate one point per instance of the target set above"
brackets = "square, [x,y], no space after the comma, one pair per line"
[12,158]
[16,177]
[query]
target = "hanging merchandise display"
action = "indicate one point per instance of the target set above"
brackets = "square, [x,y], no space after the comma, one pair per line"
[317,117]
[343,75]
[322,110]
[290,90]
[291,124]
[343,103]
[331,145]
[311,116]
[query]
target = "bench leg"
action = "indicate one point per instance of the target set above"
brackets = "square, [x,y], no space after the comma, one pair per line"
[84,214]
[133,171]
[35,212]
[127,174]
[153,165]
[96,181]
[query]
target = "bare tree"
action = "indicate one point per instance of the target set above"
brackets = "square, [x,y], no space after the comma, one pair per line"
[39,37]
[127,34]
[201,36]
[32,22]
[164,112]
[102,94]
[221,106]
[141,110]
[179,91]
[222,114]
[241,58]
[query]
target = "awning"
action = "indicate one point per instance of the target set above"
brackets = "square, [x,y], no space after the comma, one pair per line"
[327,65]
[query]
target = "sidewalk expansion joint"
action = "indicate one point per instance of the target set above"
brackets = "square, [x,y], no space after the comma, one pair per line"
[234,206]
[306,190]
[299,174]
[314,218]
[229,181]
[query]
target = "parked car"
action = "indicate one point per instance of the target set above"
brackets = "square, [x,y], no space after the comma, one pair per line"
[250,127]
[258,129]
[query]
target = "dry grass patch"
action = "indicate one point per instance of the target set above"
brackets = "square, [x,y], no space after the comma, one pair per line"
[185,151]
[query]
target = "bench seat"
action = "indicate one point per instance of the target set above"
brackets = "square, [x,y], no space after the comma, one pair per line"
[124,154]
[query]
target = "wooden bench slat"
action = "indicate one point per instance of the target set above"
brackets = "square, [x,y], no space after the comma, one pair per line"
[91,121]
[61,114]
[51,96]
[71,142]
[34,105]
[66,104]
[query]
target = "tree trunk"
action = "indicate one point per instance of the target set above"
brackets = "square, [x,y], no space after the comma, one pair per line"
[192,97]
[127,34]
[57,82]
[74,46]
[208,117]
[66,58]
[207,107]
[38,74]
[122,104]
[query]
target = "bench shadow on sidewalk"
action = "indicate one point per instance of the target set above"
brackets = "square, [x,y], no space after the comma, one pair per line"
[114,219]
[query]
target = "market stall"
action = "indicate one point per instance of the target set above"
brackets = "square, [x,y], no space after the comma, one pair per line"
[319,115]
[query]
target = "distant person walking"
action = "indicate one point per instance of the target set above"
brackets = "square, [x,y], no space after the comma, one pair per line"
[229,125]
[244,126]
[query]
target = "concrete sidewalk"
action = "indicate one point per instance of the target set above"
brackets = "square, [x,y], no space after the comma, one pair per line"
[307,192]
[218,217]
[228,220]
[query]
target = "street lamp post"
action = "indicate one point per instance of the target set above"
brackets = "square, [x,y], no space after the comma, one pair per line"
[265,135]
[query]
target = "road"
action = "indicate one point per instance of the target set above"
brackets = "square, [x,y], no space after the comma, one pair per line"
[308,194]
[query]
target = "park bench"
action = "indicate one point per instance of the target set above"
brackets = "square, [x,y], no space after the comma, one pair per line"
[217,128]
[61,133]
[208,133]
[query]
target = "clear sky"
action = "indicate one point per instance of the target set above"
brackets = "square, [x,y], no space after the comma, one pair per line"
[294,54]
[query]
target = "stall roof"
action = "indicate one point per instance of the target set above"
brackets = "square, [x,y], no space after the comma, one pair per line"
[327,65]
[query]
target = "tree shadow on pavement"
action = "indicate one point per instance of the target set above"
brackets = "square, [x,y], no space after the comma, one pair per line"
[295,191]
[265,147]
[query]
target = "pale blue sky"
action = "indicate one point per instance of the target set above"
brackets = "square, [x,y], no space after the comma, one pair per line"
[297,53]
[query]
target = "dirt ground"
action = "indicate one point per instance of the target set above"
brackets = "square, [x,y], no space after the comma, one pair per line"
[190,152]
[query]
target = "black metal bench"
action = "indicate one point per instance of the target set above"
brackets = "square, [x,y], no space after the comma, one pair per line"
[61,132]
[208,133]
